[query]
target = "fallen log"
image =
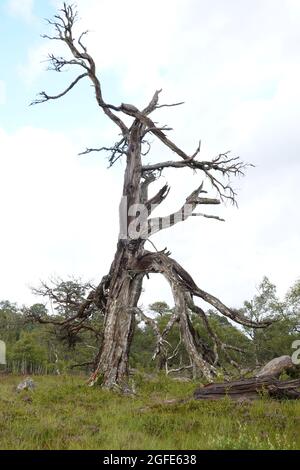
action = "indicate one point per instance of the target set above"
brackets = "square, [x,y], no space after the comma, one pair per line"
[250,389]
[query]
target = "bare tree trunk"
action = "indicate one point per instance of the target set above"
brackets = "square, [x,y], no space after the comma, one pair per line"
[117,295]
[125,285]
[201,367]
[112,368]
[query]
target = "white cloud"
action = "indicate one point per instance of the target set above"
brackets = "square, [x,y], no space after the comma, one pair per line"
[35,63]
[21,8]
[58,213]
[238,71]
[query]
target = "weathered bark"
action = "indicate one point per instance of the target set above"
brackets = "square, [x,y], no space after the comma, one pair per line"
[201,367]
[125,286]
[112,368]
[118,293]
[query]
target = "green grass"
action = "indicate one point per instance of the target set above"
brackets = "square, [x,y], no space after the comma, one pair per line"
[63,413]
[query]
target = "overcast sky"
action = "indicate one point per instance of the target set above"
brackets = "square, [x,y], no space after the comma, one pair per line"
[235,64]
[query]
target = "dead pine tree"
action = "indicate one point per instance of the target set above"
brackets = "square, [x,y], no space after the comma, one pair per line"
[118,293]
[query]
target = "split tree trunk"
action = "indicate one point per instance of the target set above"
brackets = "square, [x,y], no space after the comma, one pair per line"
[124,285]
[200,366]
[112,369]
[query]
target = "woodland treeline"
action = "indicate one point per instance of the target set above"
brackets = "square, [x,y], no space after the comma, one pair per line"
[42,348]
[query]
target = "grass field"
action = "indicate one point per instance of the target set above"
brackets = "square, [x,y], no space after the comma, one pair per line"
[63,413]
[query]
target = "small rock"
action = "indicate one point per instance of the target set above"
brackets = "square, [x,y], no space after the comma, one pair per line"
[27,384]
[275,367]
[243,401]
